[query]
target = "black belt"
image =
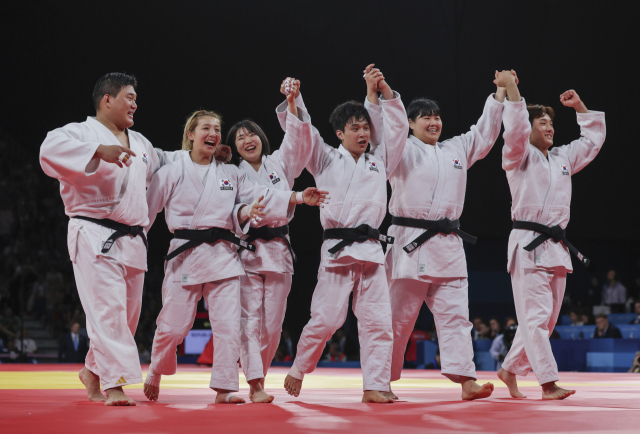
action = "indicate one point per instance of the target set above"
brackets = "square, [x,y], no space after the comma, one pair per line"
[211,235]
[556,233]
[268,234]
[433,227]
[120,231]
[351,235]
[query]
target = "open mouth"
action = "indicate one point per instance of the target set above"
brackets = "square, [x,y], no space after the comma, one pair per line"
[210,143]
[432,130]
[250,148]
[130,114]
[549,137]
[363,142]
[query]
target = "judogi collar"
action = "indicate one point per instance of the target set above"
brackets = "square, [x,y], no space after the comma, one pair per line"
[347,154]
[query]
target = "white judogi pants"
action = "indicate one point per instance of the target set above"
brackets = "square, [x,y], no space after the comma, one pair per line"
[329,311]
[264,301]
[448,301]
[538,295]
[179,304]
[111,296]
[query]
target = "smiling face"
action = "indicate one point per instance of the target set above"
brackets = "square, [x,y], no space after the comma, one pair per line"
[121,107]
[427,128]
[355,136]
[249,145]
[542,132]
[205,136]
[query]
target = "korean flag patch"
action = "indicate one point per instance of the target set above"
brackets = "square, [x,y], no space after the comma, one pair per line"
[225,184]
[373,166]
[565,169]
[273,176]
[144,158]
[457,164]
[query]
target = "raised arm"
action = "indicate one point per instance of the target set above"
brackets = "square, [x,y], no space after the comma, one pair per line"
[515,117]
[65,153]
[592,132]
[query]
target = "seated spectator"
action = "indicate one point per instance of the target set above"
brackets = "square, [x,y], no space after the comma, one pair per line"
[575,319]
[484,332]
[635,367]
[29,344]
[586,319]
[347,345]
[494,328]
[73,346]
[285,338]
[614,294]
[334,354]
[604,329]
[411,356]
[435,363]
[475,331]
[282,354]
[499,348]
[637,312]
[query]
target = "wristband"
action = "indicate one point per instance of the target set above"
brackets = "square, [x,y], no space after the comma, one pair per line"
[299,198]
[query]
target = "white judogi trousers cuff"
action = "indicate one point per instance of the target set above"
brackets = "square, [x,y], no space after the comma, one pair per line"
[538,295]
[179,304]
[329,311]
[448,301]
[111,296]
[264,302]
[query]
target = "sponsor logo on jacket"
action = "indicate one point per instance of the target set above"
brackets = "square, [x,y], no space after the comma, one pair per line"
[565,170]
[373,166]
[457,164]
[273,176]
[225,184]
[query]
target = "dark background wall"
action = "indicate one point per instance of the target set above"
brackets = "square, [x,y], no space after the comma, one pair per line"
[232,56]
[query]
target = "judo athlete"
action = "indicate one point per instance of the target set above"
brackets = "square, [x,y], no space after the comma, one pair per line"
[204,200]
[427,262]
[269,269]
[539,260]
[104,169]
[352,259]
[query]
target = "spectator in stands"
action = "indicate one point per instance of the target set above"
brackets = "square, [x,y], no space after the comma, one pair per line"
[347,345]
[499,348]
[586,319]
[29,344]
[637,312]
[614,294]
[494,328]
[73,346]
[9,325]
[604,329]
[635,367]
[435,363]
[475,332]
[411,355]
[484,332]
[285,338]
[282,354]
[575,319]
[335,354]
[37,299]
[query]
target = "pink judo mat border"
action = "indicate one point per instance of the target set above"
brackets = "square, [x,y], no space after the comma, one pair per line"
[603,403]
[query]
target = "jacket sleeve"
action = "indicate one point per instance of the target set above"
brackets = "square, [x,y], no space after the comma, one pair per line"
[65,153]
[394,133]
[297,145]
[517,130]
[276,201]
[582,151]
[158,194]
[483,135]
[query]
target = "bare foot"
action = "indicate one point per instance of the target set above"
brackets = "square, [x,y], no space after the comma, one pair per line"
[152,386]
[510,380]
[292,385]
[472,390]
[389,395]
[92,382]
[116,396]
[226,397]
[257,393]
[553,391]
[375,396]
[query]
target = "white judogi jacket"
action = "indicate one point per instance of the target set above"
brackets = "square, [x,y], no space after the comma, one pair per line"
[541,188]
[191,204]
[430,183]
[94,188]
[358,190]
[279,171]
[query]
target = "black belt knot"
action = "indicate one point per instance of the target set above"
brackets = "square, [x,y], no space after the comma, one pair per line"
[196,237]
[120,231]
[432,227]
[268,234]
[348,236]
[556,233]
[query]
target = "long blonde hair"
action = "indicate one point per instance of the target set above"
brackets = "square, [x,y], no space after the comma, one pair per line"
[192,123]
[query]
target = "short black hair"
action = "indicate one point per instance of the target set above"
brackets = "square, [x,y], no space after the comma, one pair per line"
[422,107]
[252,127]
[111,84]
[348,112]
